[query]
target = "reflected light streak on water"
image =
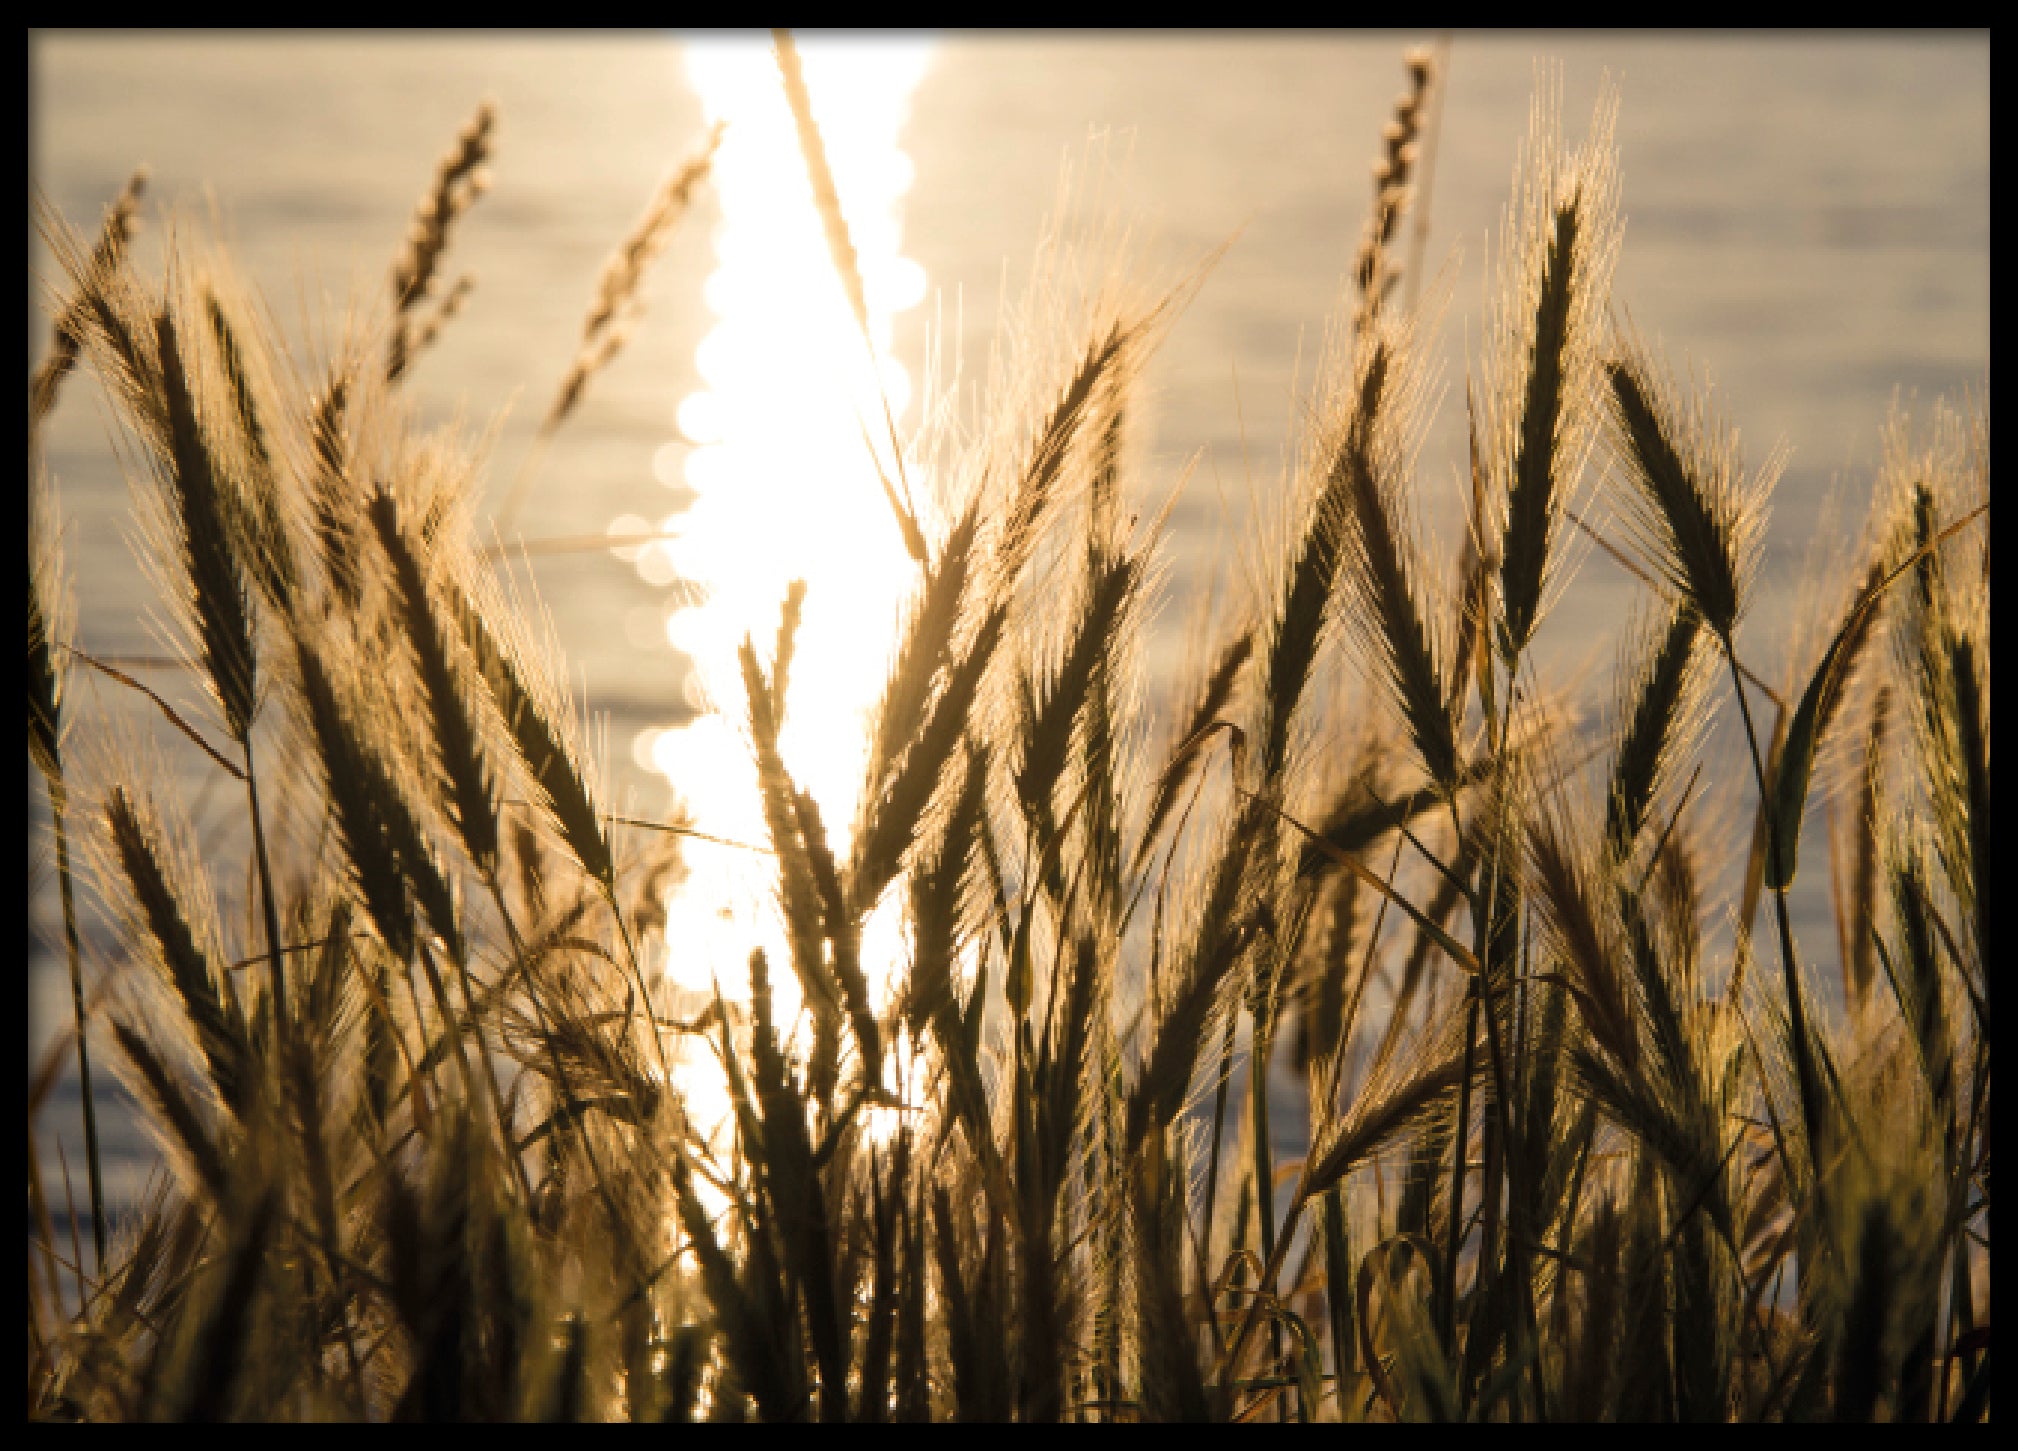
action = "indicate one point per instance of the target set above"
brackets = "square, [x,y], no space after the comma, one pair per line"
[785,489]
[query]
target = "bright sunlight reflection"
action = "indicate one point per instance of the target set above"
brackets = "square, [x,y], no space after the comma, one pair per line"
[774,448]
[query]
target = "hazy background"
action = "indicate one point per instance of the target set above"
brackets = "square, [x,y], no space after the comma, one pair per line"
[1807,222]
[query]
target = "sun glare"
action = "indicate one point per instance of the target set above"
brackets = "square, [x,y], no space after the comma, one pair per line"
[775,448]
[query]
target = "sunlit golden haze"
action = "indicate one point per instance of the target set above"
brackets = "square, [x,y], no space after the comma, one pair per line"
[775,446]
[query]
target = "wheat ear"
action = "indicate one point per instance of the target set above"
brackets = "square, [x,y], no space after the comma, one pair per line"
[1393,176]
[1685,502]
[1383,575]
[137,841]
[604,328]
[216,588]
[67,337]
[458,181]
[1657,716]
[1560,245]
[457,730]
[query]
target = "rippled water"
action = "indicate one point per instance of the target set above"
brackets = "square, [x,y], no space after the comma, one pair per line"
[1807,220]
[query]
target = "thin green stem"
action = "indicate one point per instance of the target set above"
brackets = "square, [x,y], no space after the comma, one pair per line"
[281,1024]
[1516,1216]
[1447,1300]
[1266,1283]
[332,1256]
[1796,1007]
[1218,1123]
[460,958]
[1257,1094]
[1509,1146]
[638,977]
[267,908]
[1480,908]
[561,1082]
[1264,1158]
[70,943]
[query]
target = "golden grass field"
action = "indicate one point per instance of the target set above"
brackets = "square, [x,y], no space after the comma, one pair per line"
[981,1127]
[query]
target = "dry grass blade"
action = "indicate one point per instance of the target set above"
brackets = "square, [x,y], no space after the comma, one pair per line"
[844,933]
[825,197]
[1455,950]
[49,618]
[1470,662]
[841,247]
[1218,939]
[1915,972]
[1059,1081]
[781,658]
[168,711]
[1655,1111]
[1941,655]
[1361,816]
[1811,719]
[1967,870]
[1861,961]
[748,1339]
[886,1194]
